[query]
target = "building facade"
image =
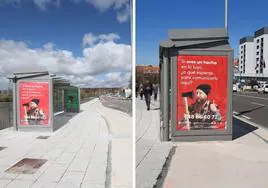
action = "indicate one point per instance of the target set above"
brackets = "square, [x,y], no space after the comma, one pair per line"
[147,72]
[253,56]
[261,51]
[246,56]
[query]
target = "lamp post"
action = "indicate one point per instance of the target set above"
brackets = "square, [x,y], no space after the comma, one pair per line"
[226,15]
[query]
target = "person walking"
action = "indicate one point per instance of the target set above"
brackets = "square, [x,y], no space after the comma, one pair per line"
[148,91]
[155,89]
[137,89]
[141,91]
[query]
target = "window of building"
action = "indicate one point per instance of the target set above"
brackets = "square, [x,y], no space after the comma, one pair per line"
[257,53]
[257,71]
[258,40]
[258,46]
[261,39]
[257,59]
[261,70]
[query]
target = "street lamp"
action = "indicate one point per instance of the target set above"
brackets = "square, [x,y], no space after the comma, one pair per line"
[226,15]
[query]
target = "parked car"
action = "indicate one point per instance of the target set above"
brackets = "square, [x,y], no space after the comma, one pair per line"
[234,88]
[263,89]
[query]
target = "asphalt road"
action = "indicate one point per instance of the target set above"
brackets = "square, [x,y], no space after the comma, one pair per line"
[124,105]
[252,107]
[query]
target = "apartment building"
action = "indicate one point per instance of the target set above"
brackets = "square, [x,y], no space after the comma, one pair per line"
[253,55]
[246,56]
[261,52]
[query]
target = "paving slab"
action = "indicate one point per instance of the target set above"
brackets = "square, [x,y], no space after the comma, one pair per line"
[69,152]
[151,154]
[242,162]
[121,145]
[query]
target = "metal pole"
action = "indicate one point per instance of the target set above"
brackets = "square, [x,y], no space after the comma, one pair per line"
[226,15]
[15,104]
[165,94]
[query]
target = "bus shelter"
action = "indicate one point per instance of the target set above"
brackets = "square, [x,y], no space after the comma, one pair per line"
[196,85]
[38,97]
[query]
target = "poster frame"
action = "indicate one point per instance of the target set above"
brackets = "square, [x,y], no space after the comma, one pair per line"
[47,127]
[174,53]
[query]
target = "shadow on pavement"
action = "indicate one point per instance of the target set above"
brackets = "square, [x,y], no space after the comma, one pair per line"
[241,129]
[164,172]
[248,111]
[63,119]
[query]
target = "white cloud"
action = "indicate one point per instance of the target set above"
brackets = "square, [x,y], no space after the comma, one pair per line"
[123,15]
[116,79]
[120,6]
[49,46]
[109,37]
[103,5]
[90,39]
[42,4]
[99,59]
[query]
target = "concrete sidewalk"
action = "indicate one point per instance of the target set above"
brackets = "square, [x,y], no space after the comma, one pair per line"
[77,154]
[151,154]
[120,128]
[242,162]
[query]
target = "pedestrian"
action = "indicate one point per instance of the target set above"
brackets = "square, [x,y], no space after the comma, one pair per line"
[137,89]
[155,89]
[141,91]
[148,91]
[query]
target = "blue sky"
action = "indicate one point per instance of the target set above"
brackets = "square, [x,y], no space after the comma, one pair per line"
[64,25]
[154,19]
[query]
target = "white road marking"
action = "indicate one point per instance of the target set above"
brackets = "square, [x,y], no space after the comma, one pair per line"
[258,104]
[246,117]
[235,113]
[251,97]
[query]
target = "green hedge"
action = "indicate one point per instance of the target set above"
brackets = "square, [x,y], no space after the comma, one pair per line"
[5,98]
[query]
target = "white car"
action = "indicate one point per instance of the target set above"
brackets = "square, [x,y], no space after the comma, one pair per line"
[263,89]
[234,88]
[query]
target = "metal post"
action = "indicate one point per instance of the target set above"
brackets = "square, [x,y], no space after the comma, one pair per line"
[15,104]
[226,15]
[165,94]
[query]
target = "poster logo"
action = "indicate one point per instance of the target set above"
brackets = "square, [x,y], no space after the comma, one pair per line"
[202,92]
[34,103]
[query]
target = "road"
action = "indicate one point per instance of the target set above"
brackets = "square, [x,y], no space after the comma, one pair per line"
[252,107]
[124,105]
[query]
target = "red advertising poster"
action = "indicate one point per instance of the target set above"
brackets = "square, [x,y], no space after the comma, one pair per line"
[202,92]
[34,103]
